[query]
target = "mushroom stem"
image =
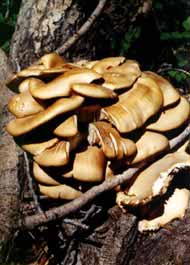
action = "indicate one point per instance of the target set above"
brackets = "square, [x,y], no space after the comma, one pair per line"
[32,221]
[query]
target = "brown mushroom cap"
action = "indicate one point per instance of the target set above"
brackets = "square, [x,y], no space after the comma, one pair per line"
[149,144]
[41,176]
[56,156]
[93,91]
[23,105]
[172,118]
[64,192]
[89,166]
[113,145]
[61,86]
[37,148]
[68,128]
[31,81]
[23,125]
[170,94]
[154,180]
[135,107]
[104,64]
[174,208]
[52,60]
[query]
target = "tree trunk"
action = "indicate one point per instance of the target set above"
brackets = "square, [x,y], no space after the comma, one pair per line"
[9,186]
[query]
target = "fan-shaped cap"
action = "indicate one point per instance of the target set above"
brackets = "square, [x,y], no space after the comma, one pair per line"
[64,192]
[172,118]
[61,86]
[56,156]
[170,94]
[23,125]
[134,107]
[31,81]
[37,148]
[42,177]
[89,165]
[51,60]
[68,128]
[106,63]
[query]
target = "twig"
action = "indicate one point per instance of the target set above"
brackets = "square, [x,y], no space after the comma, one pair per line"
[84,28]
[41,218]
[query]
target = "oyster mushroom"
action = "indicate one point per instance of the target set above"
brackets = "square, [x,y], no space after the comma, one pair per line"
[55,156]
[61,86]
[154,180]
[64,192]
[112,144]
[170,94]
[122,76]
[149,144]
[89,165]
[23,105]
[31,81]
[23,125]
[106,63]
[42,177]
[93,91]
[174,208]
[51,60]
[172,118]
[135,107]
[37,148]
[68,128]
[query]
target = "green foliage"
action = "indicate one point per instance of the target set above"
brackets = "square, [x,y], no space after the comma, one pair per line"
[8,13]
[129,39]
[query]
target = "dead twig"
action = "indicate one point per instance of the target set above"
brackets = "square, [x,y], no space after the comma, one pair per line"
[84,28]
[41,218]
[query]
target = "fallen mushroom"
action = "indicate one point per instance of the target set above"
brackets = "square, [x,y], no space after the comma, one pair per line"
[93,91]
[42,177]
[135,107]
[23,105]
[174,208]
[154,180]
[167,120]
[89,165]
[170,94]
[61,86]
[149,144]
[68,128]
[55,156]
[64,192]
[37,148]
[105,64]
[112,144]
[23,125]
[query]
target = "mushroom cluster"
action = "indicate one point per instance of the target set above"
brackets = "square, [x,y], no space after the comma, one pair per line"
[84,122]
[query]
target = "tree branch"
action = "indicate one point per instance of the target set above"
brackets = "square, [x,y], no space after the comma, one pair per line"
[85,27]
[41,218]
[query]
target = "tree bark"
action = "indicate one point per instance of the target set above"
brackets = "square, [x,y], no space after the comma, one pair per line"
[9,186]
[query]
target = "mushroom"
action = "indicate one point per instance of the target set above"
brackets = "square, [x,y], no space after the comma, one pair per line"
[23,125]
[55,156]
[170,94]
[64,192]
[37,148]
[172,118]
[23,105]
[51,60]
[68,128]
[122,76]
[61,85]
[93,91]
[89,165]
[106,63]
[88,113]
[31,81]
[149,144]
[154,180]
[112,144]
[42,177]
[135,107]
[174,208]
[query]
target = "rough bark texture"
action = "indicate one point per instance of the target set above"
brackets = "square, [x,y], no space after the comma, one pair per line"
[44,25]
[9,186]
